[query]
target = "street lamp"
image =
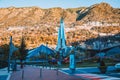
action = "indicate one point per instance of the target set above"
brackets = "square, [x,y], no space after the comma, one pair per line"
[46,55]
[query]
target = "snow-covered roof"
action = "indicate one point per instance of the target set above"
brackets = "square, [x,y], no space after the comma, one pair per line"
[39,50]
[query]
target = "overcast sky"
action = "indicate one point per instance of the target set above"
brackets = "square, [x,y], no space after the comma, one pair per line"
[56,3]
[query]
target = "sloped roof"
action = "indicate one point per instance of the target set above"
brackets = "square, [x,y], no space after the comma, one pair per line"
[113,51]
[39,50]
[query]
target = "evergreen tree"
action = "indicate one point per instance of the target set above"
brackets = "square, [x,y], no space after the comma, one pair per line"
[23,51]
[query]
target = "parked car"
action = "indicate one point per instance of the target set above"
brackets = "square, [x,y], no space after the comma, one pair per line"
[117,66]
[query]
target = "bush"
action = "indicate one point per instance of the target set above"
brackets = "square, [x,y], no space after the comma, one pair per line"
[102,67]
[3,64]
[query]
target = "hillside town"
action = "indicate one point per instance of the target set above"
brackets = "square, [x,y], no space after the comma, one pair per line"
[74,43]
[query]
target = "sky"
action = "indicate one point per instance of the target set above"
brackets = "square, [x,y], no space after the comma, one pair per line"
[56,3]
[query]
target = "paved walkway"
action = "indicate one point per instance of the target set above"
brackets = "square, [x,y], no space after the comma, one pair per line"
[95,77]
[90,73]
[32,73]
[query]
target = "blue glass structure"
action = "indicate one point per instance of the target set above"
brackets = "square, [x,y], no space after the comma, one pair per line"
[41,49]
[12,48]
[61,44]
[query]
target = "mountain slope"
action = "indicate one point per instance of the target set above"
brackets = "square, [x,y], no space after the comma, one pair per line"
[40,25]
[100,12]
[29,16]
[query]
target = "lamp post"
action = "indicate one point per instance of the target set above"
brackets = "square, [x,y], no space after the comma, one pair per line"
[46,55]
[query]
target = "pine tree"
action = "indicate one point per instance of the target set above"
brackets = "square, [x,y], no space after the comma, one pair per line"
[23,51]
